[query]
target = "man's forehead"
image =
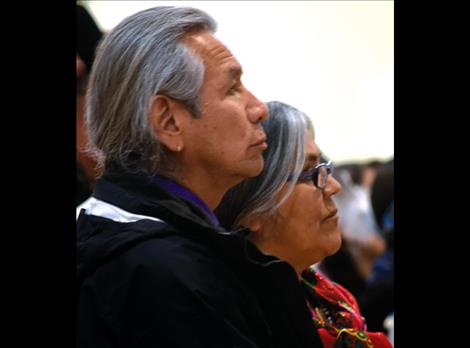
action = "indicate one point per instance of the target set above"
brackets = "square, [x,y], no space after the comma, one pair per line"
[213,50]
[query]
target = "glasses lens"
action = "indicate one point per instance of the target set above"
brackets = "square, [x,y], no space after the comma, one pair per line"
[322,177]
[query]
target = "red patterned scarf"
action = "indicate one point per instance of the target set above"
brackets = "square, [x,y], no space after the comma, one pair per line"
[336,314]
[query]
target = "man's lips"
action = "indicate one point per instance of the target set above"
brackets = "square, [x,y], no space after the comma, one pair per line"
[260,141]
[261,144]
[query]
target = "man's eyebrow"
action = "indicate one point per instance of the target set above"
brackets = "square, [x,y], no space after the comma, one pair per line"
[235,72]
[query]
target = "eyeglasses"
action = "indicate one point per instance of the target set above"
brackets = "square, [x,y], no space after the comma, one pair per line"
[319,174]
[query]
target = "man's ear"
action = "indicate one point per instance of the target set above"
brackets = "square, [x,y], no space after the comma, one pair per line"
[165,122]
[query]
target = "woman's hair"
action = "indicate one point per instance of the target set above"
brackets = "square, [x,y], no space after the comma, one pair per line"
[283,162]
[141,57]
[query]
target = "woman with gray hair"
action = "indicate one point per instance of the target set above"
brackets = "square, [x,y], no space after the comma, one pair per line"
[290,215]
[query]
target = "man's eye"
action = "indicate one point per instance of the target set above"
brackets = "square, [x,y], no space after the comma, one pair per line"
[234,89]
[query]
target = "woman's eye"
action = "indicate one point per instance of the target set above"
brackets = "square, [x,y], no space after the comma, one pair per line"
[307,174]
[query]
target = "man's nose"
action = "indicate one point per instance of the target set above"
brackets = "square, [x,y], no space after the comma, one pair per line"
[257,110]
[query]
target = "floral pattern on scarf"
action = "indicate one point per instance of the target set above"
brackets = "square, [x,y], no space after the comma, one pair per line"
[337,316]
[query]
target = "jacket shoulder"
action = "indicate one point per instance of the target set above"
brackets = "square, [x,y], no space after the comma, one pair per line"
[163,281]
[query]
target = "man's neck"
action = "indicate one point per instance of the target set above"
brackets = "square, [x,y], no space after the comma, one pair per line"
[208,188]
[209,194]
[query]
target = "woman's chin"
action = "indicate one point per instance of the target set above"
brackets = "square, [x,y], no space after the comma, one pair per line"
[334,242]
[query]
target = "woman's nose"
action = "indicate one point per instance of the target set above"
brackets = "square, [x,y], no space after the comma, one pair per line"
[332,186]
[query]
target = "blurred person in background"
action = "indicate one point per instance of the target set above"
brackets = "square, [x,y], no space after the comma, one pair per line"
[358,225]
[377,300]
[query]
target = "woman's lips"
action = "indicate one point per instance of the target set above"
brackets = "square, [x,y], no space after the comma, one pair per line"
[332,215]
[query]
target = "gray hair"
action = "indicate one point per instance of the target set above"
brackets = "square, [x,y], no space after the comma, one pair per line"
[141,57]
[284,159]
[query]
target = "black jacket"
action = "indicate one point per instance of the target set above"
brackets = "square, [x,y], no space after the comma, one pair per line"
[183,282]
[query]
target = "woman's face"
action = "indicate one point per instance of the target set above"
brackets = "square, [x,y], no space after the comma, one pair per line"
[305,229]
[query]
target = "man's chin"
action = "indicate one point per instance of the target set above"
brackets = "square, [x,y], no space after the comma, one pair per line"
[255,167]
[248,169]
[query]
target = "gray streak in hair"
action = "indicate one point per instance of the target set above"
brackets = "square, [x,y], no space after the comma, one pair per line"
[284,159]
[141,57]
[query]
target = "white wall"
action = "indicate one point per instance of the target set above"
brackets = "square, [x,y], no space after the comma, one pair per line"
[331,59]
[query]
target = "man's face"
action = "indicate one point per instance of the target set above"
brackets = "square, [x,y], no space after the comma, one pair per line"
[227,140]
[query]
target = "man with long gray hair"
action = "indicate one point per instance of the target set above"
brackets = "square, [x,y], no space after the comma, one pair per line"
[173,128]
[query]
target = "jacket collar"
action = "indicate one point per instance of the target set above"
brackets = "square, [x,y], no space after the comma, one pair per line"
[140,194]
[183,192]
